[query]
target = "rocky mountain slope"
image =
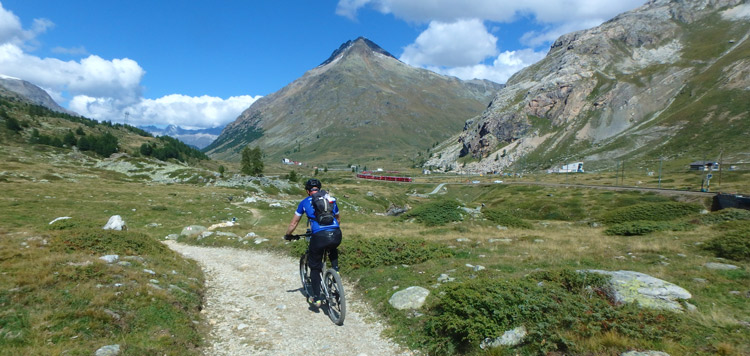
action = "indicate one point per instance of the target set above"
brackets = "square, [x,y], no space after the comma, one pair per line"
[360,104]
[670,79]
[25,91]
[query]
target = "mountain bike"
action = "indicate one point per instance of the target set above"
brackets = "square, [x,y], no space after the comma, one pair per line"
[331,288]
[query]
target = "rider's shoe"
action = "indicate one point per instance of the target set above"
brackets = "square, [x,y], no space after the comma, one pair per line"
[316,303]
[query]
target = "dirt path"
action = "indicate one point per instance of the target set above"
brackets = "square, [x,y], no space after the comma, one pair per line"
[255,307]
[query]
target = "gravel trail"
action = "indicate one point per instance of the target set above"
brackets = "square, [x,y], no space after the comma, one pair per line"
[255,307]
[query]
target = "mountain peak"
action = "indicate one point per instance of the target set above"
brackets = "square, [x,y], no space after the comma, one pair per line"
[360,44]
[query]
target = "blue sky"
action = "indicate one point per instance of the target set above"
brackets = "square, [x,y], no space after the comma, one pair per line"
[200,63]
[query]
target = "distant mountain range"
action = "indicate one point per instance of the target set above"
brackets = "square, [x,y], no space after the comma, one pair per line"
[359,105]
[669,80]
[199,138]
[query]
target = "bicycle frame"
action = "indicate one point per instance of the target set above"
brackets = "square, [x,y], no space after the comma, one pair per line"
[331,287]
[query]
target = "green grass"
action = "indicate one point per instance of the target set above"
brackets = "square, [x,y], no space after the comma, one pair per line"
[52,303]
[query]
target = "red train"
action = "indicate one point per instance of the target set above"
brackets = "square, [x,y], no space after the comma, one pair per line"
[367,175]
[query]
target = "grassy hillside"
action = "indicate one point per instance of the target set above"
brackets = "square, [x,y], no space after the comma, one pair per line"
[59,297]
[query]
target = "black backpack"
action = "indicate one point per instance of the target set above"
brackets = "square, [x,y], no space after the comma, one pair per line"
[323,208]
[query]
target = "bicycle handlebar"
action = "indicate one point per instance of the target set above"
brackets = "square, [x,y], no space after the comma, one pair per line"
[296,237]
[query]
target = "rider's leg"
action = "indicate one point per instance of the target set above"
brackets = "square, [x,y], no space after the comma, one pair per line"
[333,254]
[315,260]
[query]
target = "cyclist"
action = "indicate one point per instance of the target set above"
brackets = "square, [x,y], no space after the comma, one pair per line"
[323,237]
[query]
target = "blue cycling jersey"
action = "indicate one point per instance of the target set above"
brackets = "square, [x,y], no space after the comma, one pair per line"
[305,207]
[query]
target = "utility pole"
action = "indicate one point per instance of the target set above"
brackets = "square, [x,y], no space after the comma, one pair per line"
[617,170]
[721,154]
[660,159]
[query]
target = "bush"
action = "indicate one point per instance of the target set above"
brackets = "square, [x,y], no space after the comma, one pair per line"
[368,253]
[98,241]
[734,245]
[548,304]
[435,213]
[504,218]
[650,212]
[730,214]
[642,227]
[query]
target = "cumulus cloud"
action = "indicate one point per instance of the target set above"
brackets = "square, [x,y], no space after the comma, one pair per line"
[104,89]
[181,110]
[457,43]
[461,43]
[503,67]
[544,11]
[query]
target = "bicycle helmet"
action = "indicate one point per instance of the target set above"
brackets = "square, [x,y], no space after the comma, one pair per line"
[312,183]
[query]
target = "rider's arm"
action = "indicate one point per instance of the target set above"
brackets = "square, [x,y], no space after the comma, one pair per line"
[293,224]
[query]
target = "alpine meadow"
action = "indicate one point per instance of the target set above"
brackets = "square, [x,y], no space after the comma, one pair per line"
[597,203]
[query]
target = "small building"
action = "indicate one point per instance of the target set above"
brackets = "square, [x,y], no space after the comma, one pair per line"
[575,167]
[426,171]
[704,166]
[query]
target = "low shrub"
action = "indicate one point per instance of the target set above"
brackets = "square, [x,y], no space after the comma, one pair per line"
[547,304]
[98,241]
[650,212]
[734,245]
[730,214]
[504,218]
[366,253]
[435,213]
[642,227]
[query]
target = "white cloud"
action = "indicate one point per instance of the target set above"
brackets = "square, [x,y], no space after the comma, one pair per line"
[457,42]
[104,89]
[461,43]
[176,109]
[73,51]
[504,66]
[551,33]
[544,11]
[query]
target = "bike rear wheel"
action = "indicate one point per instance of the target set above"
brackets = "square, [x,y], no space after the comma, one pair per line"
[304,275]
[335,297]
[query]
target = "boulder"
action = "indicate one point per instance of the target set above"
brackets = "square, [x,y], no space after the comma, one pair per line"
[509,338]
[644,353]
[409,298]
[109,350]
[719,266]
[115,223]
[647,291]
[192,230]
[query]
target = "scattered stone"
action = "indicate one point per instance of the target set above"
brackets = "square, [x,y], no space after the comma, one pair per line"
[699,280]
[538,241]
[153,225]
[115,223]
[462,239]
[509,338]
[224,224]
[242,326]
[60,218]
[193,230]
[110,258]
[109,350]
[646,291]
[250,234]
[260,240]
[501,240]
[719,266]
[502,228]
[274,205]
[445,278]
[172,237]
[644,353]
[409,298]
[249,200]
[149,271]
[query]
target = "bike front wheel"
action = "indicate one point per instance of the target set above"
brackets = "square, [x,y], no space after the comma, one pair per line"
[335,296]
